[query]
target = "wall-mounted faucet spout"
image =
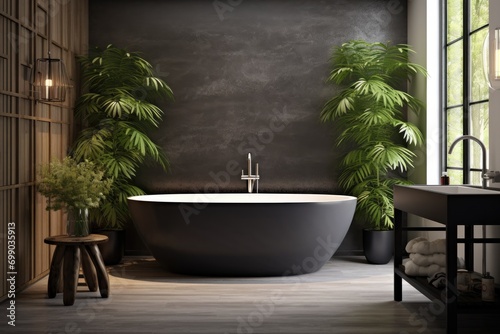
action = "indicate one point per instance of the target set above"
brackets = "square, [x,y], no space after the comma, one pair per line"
[251,179]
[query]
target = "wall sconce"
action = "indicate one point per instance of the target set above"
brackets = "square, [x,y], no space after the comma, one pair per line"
[50,80]
[48,76]
[491,60]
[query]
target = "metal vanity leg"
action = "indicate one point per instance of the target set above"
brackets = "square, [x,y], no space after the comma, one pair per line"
[451,284]
[398,254]
[469,247]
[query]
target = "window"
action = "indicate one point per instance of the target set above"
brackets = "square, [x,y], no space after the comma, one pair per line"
[466,92]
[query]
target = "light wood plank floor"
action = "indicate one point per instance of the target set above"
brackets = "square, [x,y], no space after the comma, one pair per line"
[345,296]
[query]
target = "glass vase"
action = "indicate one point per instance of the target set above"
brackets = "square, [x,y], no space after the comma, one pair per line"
[78,222]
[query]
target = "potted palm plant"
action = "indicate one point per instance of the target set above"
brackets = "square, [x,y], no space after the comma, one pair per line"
[118,111]
[75,188]
[370,109]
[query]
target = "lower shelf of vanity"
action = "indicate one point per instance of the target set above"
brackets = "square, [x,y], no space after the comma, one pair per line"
[467,302]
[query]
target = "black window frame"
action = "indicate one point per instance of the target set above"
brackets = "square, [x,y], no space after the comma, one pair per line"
[467,102]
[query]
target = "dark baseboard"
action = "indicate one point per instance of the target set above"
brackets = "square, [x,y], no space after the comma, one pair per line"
[349,253]
[142,252]
[137,252]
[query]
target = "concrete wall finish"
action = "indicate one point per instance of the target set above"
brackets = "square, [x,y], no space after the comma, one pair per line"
[248,76]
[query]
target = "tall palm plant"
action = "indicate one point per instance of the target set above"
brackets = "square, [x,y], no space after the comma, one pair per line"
[118,111]
[370,109]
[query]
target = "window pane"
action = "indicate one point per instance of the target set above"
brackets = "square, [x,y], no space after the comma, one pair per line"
[455,74]
[454,129]
[479,85]
[456,176]
[475,178]
[455,25]
[476,87]
[479,129]
[479,120]
[479,11]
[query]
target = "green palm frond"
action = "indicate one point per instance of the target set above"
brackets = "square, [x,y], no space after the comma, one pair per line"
[92,143]
[411,133]
[391,156]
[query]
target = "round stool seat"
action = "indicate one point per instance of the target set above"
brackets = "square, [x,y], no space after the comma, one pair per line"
[69,240]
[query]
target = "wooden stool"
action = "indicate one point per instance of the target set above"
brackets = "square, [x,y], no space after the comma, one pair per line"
[75,251]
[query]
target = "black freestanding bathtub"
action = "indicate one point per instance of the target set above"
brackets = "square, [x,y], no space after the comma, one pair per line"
[242,234]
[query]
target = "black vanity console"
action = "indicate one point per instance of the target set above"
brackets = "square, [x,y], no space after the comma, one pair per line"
[453,207]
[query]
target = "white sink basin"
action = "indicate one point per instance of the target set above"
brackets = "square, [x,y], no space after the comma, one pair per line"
[459,190]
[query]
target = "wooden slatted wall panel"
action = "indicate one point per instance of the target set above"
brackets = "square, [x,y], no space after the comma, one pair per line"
[32,133]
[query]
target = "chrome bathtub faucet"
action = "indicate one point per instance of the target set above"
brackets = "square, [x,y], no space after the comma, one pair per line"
[251,179]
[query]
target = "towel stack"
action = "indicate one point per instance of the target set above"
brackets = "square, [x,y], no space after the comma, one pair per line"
[427,257]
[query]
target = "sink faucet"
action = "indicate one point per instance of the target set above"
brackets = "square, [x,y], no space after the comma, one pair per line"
[485,175]
[251,179]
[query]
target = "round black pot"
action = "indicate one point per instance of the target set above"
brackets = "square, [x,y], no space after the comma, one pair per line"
[378,245]
[112,251]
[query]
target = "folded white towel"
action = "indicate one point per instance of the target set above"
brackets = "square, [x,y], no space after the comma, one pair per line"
[438,258]
[409,245]
[425,247]
[413,269]
[427,260]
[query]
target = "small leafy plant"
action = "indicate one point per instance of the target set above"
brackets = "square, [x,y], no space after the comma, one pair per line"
[370,110]
[68,184]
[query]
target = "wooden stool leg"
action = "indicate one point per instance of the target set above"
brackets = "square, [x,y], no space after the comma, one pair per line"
[55,271]
[88,269]
[61,280]
[71,269]
[102,274]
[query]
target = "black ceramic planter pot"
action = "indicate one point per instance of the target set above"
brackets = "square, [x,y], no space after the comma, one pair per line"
[378,245]
[113,250]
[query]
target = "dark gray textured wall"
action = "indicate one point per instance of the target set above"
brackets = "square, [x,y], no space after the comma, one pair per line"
[248,76]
